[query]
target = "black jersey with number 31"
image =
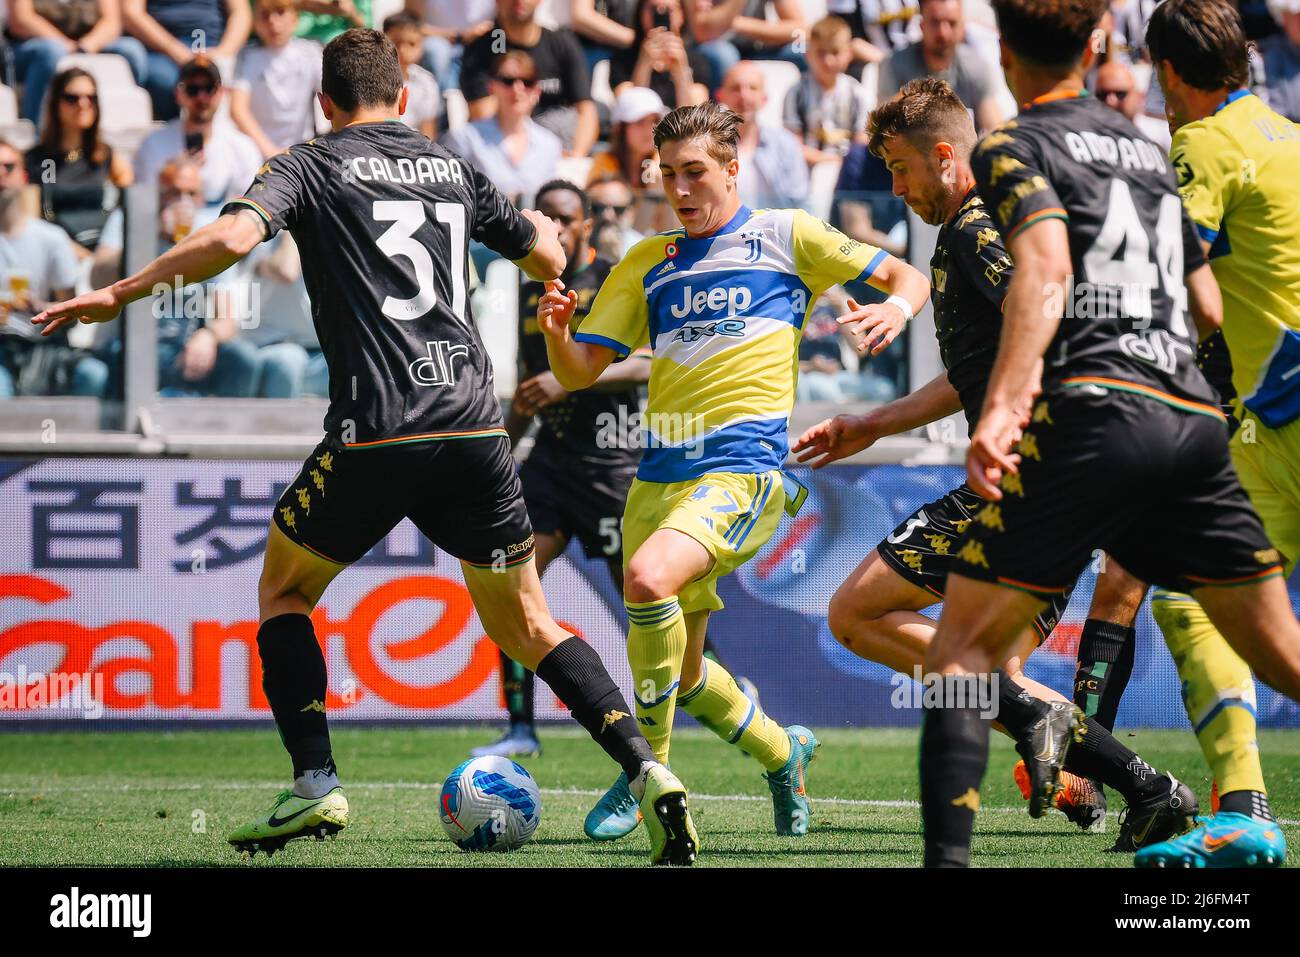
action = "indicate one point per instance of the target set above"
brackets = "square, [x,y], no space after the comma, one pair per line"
[1125,323]
[383,218]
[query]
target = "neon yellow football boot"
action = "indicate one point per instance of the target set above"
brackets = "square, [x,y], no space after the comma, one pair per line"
[672,832]
[292,817]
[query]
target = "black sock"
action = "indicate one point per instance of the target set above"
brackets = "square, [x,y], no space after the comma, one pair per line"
[578,677]
[1102,757]
[954,755]
[1017,708]
[294,679]
[517,683]
[1105,665]
[1250,803]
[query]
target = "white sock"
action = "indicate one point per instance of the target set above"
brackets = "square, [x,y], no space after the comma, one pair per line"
[637,784]
[315,783]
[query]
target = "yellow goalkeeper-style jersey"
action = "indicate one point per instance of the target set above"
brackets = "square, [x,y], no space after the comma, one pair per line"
[1239,176]
[723,315]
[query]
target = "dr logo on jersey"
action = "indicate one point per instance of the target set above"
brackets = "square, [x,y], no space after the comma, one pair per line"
[438,367]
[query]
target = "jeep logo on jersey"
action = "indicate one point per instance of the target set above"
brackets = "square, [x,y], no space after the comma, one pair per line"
[734,298]
[439,366]
[723,327]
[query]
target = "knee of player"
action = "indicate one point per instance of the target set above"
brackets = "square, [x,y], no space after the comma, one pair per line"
[852,624]
[647,580]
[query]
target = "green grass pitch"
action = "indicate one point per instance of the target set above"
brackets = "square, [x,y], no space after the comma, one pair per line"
[162,799]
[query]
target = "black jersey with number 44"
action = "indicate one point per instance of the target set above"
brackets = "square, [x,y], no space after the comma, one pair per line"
[383,218]
[1125,322]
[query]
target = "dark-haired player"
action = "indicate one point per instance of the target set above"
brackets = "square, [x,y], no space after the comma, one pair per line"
[925,137]
[1126,450]
[383,218]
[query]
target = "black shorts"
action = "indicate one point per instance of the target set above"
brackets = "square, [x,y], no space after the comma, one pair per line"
[1149,483]
[463,494]
[921,549]
[577,499]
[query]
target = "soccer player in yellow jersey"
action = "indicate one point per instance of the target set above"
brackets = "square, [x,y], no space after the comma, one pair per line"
[722,303]
[1236,162]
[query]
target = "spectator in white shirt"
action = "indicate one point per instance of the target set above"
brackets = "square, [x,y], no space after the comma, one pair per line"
[827,109]
[424,101]
[229,158]
[273,96]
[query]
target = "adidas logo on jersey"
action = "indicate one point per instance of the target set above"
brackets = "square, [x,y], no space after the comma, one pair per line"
[733,298]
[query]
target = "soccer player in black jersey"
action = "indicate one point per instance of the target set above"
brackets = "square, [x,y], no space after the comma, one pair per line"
[383,218]
[925,137]
[1126,436]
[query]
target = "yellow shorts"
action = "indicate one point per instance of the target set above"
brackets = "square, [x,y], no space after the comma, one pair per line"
[1268,465]
[730,514]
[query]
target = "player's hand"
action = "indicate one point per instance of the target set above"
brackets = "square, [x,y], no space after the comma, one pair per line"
[539,392]
[98,306]
[990,456]
[555,309]
[878,324]
[834,439]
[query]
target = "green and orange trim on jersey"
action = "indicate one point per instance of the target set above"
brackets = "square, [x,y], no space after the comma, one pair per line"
[255,207]
[1274,572]
[427,437]
[1053,212]
[1121,385]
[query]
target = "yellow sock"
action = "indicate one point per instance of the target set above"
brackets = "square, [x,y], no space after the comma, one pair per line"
[1218,691]
[718,704]
[656,644]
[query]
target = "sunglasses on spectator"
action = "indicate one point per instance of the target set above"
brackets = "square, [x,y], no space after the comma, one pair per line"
[198,89]
[1117,94]
[528,82]
[75,99]
[8,167]
[600,209]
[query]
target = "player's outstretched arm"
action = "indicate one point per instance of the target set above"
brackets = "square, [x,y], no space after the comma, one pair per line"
[1030,319]
[201,255]
[546,260]
[879,324]
[576,365]
[844,435]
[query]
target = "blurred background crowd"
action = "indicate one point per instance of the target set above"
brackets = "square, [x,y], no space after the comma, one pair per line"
[188,97]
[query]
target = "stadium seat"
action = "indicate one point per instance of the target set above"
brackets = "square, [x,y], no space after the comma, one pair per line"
[21,133]
[381,10]
[601,91]
[821,188]
[496,308]
[778,77]
[457,109]
[574,169]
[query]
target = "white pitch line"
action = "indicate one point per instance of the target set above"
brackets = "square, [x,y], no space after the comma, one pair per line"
[437,786]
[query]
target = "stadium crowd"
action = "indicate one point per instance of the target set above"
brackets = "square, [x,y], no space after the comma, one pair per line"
[190,97]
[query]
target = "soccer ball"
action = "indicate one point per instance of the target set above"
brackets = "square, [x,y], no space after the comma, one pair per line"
[490,804]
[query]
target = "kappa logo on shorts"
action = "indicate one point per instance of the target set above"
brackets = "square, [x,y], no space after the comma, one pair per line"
[1028,447]
[318,480]
[912,558]
[304,500]
[972,553]
[1042,415]
[1013,482]
[287,516]
[1268,556]
[940,543]
[326,461]
[991,517]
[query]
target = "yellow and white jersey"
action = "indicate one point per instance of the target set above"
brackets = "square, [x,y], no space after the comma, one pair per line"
[722,315]
[1239,176]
